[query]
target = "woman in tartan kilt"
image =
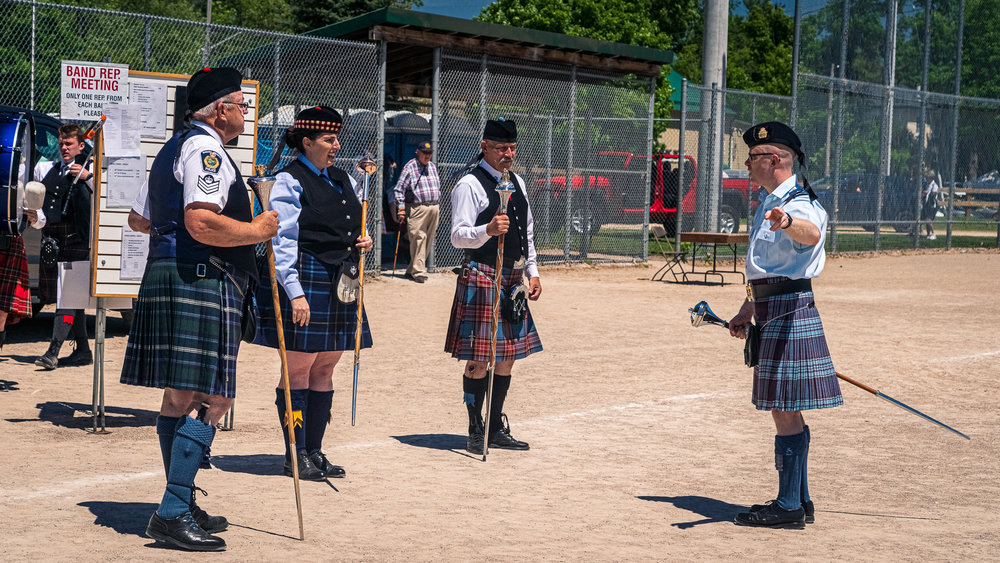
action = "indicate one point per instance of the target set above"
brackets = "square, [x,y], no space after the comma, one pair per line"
[794,371]
[318,242]
[475,227]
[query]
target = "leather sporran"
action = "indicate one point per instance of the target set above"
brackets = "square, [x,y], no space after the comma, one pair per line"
[514,306]
[48,253]
[751,349]
[251,315]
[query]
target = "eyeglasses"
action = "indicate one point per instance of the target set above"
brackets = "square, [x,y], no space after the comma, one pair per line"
[242,105]
[754,155]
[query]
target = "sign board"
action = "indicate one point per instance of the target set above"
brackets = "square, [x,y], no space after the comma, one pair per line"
[85,87]
[119,257]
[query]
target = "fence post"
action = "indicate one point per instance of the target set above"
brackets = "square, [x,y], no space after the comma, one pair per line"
[548,182]
[147,47]
[435,139]
[376,233]
[276,95]
[954,127]
[921,128]
[568,191]
[885,156]
[841,71]
[681,153]
[795,64]
[649,169]
[34,40]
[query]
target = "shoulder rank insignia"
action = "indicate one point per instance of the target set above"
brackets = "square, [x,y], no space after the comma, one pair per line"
[208,184]
[210,161]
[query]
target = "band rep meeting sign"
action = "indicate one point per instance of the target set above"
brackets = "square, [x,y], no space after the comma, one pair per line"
[87,86]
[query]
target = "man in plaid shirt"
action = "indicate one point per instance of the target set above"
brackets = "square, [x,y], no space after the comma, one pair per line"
[418,194]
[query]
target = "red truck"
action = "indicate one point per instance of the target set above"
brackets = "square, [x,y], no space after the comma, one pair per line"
[615,192]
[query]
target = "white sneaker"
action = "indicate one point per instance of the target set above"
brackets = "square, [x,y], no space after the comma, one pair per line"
[931,237]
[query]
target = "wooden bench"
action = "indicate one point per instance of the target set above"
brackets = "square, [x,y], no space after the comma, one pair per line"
[967,204]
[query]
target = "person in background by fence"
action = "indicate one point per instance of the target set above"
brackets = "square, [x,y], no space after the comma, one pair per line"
[476,227]
[67,212]
[418,196]
[319,241]
[928,211]
[795,372]
[186,332]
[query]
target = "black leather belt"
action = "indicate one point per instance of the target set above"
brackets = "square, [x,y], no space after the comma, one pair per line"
[765,290]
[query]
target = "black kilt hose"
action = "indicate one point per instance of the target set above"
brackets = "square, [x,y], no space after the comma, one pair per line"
[469,330]
[795,372]
[332,324]
[186,330]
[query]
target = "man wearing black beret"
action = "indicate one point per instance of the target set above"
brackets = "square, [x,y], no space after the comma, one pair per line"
[186,332]
[793,371]
[476,227]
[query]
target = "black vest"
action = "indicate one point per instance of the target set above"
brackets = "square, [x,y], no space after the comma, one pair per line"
[57,189]
[329,222]
[516,239]
[168,237]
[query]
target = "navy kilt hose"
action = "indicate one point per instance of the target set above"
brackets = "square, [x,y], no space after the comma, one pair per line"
[15,293]
[332,324]
[795,372]
[186,330]
[469,329]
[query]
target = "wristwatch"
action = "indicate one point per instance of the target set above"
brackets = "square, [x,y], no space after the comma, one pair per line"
[789,215]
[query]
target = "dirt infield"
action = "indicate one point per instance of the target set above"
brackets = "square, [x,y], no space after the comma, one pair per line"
[644,443]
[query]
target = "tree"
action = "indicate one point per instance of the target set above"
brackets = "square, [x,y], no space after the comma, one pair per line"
[320,13]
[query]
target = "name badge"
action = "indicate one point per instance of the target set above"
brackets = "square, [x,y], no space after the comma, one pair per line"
[766,234]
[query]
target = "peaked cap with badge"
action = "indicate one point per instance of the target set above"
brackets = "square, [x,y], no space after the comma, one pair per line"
[777,133]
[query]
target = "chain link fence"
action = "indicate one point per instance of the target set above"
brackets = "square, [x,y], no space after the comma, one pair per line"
[592,129]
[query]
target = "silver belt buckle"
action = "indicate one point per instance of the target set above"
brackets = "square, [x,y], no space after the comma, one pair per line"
[201,270]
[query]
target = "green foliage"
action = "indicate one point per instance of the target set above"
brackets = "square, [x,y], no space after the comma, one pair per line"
[320,13]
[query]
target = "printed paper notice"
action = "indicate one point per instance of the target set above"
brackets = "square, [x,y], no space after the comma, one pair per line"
[85,87]
[121,130]
[135,248]
[125,176]
[152,98]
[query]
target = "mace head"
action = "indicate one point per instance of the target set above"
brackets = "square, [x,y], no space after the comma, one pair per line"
[506,189]
[368,165]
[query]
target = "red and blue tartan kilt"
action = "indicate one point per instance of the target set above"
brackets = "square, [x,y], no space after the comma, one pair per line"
[332,324]
[15,292]
[469,330]
[186,330]
[795,372]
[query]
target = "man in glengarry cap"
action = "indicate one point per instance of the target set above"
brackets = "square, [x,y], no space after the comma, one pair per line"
[792,371]
[186,332]
[475,227]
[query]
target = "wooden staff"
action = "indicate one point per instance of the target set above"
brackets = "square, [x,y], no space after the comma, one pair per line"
[505,188]
[396,254]
[368,166]
[261,188]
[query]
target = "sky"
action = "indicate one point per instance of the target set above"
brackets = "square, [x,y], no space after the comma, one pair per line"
[468,9]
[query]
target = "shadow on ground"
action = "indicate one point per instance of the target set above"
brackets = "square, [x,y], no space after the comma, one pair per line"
[123,517]
[713,510]
[434,441]
[251,464]
[80,415]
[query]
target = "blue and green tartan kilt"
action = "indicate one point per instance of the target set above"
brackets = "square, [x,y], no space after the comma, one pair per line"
[470,327]
[186,330]
[332,324]
[795,372]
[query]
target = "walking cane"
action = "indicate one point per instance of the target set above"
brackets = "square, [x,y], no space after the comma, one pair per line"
[505,188]
[261,186]
[702,314]
[368,166]
[396,254]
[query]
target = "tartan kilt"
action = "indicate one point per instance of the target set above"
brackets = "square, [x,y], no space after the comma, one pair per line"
[332,324]
[469,330]
[15,286]
[795,372]
[48,276]
[186,330]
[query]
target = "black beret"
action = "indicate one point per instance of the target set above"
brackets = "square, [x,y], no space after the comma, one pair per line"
[425,146]
[209,84]
[319,118]
[500,130]
[771,133]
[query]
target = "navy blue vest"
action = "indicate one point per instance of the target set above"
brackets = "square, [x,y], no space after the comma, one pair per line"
[168,237]
[330,221]
[515,243]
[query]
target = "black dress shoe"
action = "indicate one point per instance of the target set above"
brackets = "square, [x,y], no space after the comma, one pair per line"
[807,507]
[307,469]
[209,523]
[78,358]
[418,279]
[331,470]
[502,440]
[773,516]
[183,532]
[474,444]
